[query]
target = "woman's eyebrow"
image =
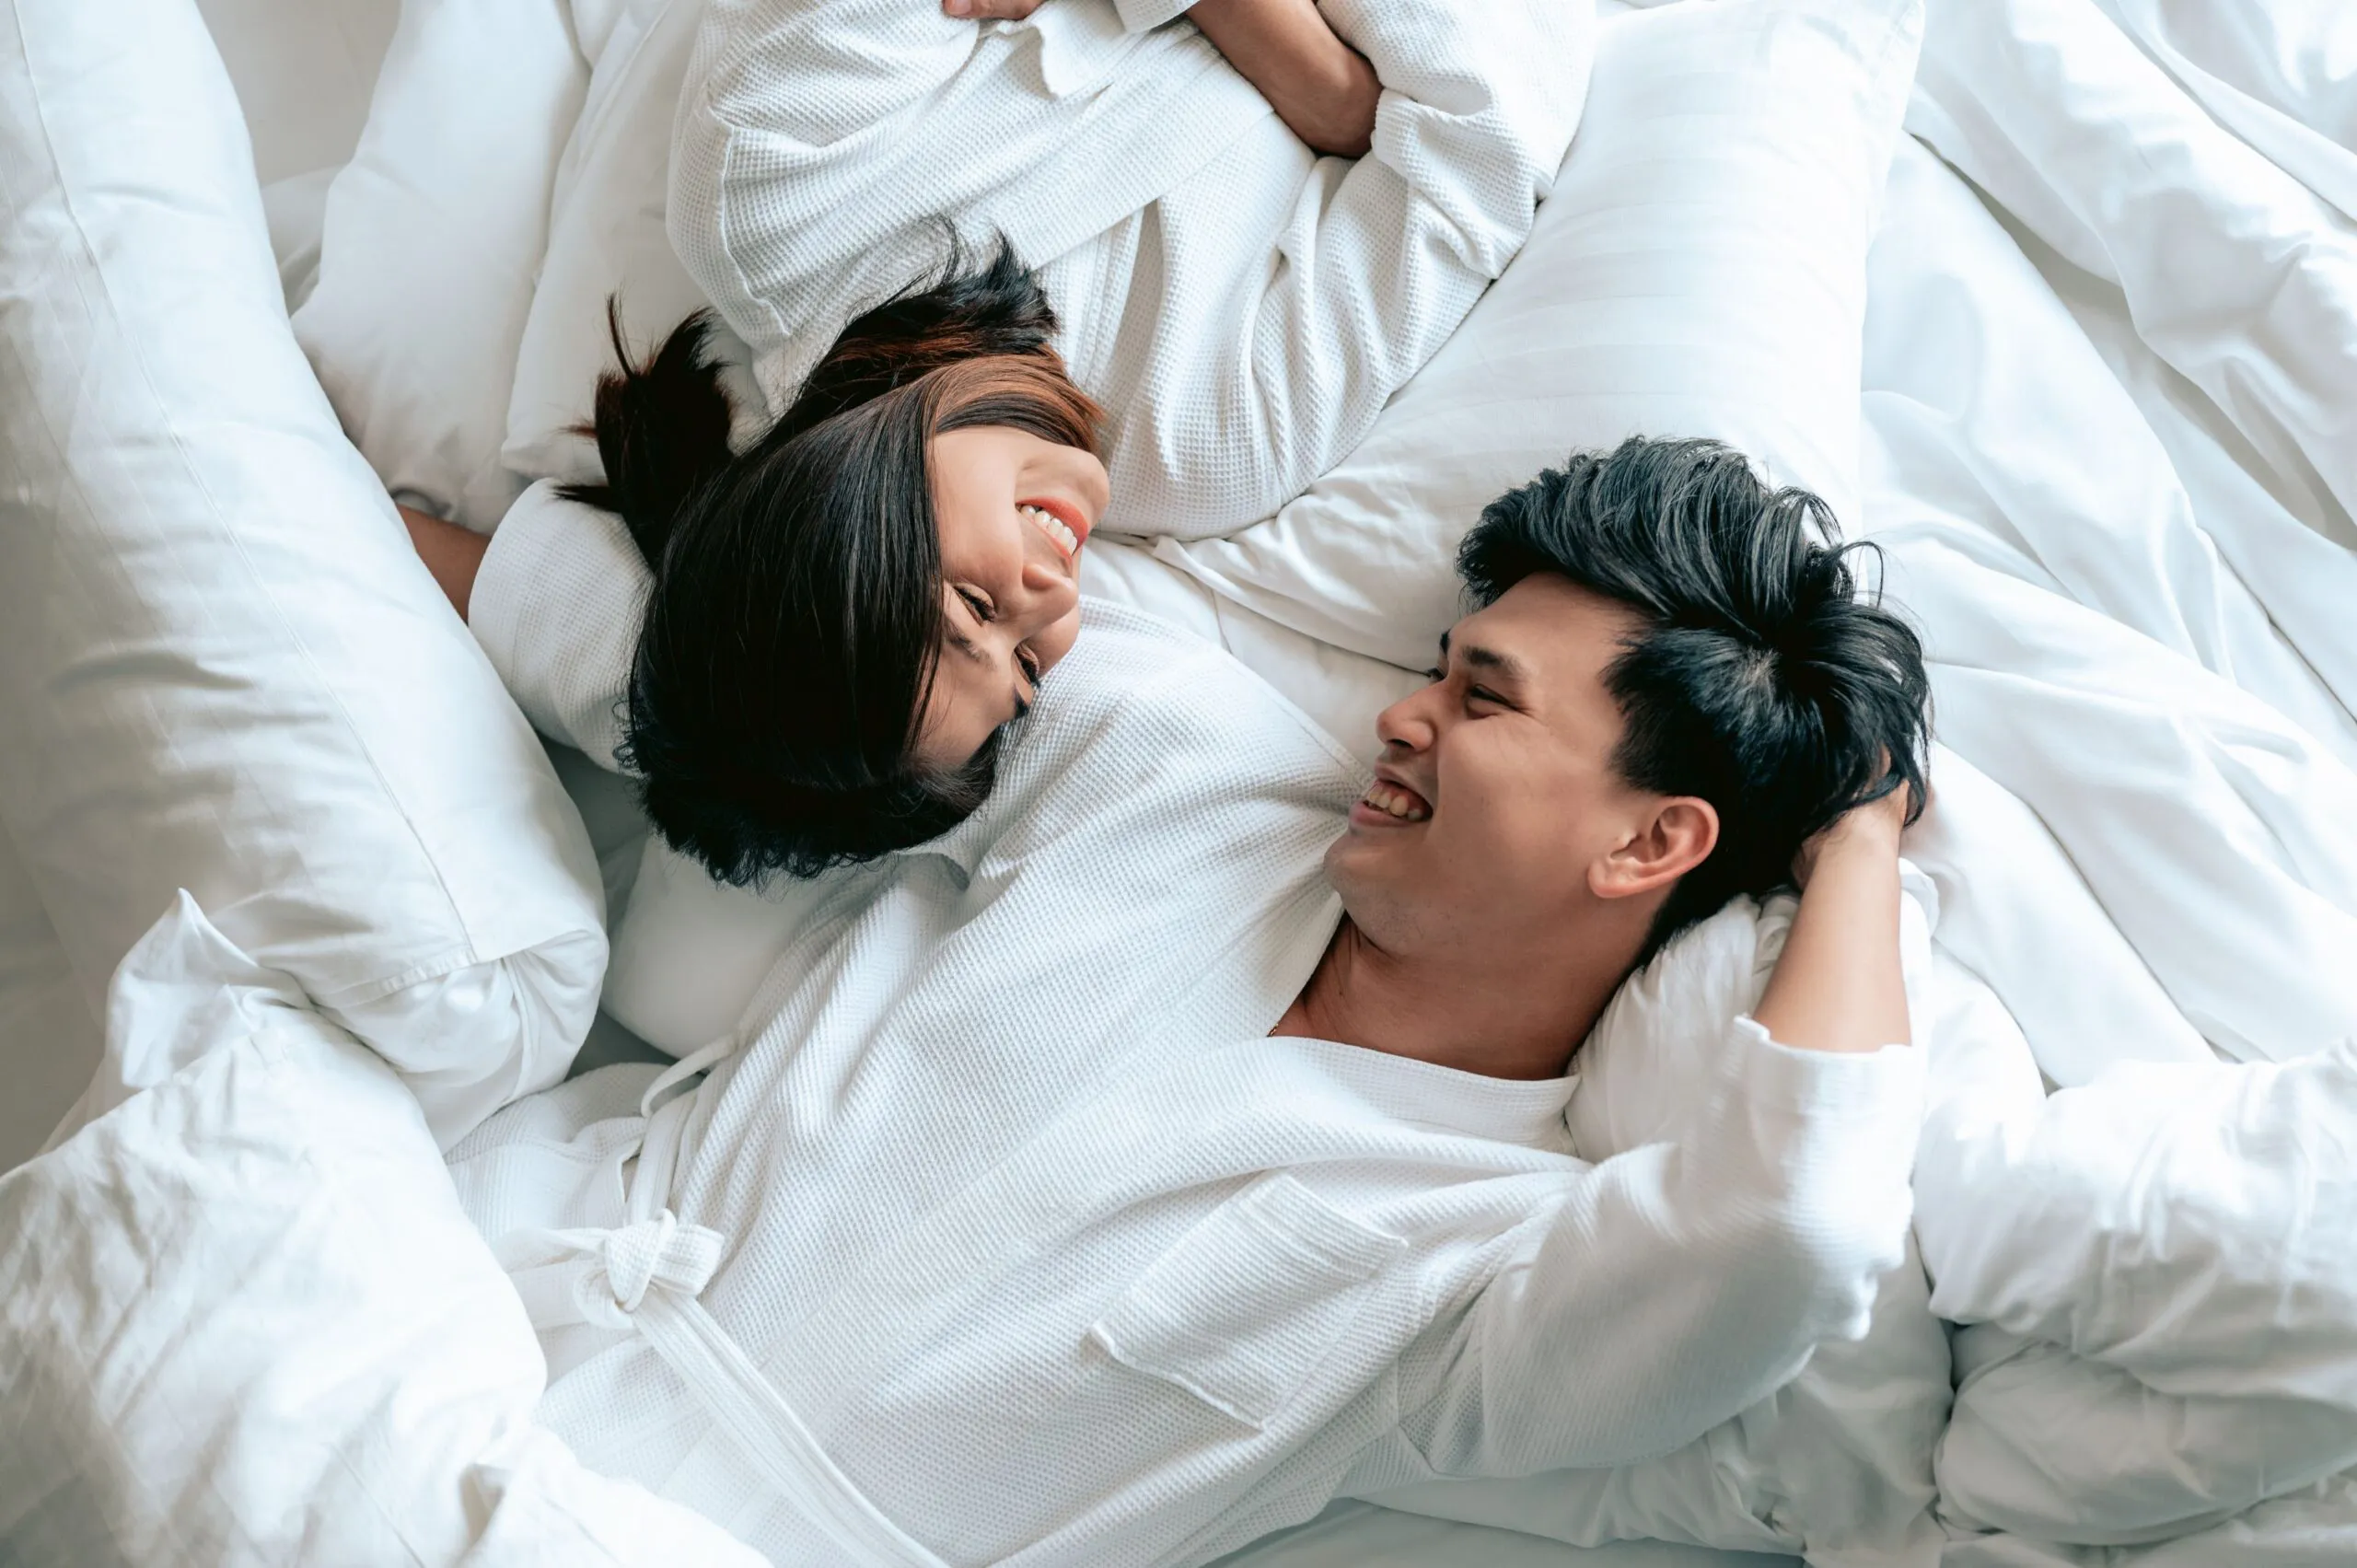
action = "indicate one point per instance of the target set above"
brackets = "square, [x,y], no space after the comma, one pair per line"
[962,643]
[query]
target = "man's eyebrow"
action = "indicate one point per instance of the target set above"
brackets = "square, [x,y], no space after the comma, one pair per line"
[1480,656]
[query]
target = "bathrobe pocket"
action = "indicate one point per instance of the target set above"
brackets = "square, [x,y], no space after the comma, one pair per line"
[1247,1306]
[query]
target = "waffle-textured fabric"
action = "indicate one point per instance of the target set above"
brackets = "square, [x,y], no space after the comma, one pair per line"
[1063,1260]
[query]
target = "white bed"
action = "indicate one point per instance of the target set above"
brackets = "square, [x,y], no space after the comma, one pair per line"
[2108,442]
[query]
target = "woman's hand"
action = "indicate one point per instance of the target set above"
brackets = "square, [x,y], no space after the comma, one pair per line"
[452,553]
[1322,88]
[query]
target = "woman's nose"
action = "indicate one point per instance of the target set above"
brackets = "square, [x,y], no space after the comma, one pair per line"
[1049,594]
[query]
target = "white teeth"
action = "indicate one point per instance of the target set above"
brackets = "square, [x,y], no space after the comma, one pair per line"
[1055,527]
[1396,802]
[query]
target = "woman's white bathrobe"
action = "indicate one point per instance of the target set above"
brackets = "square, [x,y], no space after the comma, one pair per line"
[1063,1260]
[1241,307]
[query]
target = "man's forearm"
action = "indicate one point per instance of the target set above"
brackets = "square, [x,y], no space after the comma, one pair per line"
[1838,985]
[1324,91]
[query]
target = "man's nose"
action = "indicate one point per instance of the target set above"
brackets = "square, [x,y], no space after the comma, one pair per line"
[1411,722]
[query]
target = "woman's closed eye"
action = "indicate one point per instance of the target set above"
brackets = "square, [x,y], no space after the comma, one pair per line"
[986,611]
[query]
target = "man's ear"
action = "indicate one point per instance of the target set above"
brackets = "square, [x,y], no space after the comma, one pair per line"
[1678,836]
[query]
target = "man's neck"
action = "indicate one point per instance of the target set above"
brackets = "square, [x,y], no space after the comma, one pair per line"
[1500,1019]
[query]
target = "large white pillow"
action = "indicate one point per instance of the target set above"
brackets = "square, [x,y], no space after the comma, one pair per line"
[48,1037]
[433,238]
[243,1319]
[1700,269]
[303,75]
[607,239]
[222,667]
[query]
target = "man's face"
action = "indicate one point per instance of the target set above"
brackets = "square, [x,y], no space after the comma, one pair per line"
[1496,802]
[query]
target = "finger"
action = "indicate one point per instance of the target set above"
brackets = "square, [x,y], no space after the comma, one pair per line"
[989,10]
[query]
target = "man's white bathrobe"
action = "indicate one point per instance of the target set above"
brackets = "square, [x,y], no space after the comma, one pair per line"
[1061,1259]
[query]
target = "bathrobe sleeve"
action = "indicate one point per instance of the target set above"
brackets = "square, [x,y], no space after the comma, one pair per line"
[820,145]
[557,605]
[1671,1287]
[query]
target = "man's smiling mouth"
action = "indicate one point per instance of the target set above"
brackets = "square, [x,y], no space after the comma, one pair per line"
[1396,802]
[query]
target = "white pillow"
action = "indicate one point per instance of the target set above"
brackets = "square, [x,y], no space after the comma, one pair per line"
[48,1037]
[243,1317]
[222,667]
[303,75]
[434,234]
[2237,274]
[606,237]
[1700,269]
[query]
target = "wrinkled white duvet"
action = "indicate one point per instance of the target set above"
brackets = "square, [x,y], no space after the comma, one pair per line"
[244,1320]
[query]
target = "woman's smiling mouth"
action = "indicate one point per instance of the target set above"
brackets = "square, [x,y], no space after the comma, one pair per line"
[1066,528]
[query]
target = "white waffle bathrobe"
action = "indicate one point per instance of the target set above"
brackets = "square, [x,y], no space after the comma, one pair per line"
[1242,307]
[1063,1260]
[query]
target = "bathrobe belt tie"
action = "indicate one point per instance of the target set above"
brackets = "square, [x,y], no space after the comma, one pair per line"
[645,1276]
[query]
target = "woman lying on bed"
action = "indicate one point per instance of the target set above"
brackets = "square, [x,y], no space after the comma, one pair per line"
[843,618]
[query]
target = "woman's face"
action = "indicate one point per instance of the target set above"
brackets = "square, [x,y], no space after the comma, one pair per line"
[1014,511]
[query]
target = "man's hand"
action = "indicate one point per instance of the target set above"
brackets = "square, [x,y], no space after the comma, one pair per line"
[1838,985]
[1872,829]
[1322,88]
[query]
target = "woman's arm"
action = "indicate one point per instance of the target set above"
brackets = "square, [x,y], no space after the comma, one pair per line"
[1322,88]
[452,553]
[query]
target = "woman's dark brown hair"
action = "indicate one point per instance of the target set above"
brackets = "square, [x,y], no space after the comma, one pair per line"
[789,638]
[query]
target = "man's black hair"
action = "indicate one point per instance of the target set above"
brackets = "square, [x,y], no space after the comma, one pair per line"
[1761,679]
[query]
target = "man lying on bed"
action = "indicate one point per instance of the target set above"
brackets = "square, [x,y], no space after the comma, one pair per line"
[1140,1166]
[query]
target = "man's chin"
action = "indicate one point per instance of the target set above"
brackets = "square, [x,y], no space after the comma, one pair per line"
[1350,862]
